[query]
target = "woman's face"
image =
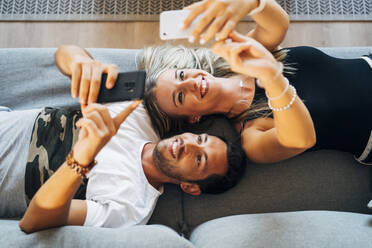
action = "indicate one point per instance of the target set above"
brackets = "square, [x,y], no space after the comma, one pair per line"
[187,92]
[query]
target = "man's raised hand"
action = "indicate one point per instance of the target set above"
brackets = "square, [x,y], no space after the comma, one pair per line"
[97,127]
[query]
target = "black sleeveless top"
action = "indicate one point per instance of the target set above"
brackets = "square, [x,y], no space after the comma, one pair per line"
[338,94]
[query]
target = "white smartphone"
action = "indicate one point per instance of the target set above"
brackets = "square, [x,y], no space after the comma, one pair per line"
[171,23]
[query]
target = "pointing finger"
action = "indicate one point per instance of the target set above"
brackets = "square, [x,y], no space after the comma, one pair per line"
[237,37]
[120,118]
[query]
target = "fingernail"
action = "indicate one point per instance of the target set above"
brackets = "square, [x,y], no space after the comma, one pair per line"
[181,26]
[217,39]
[202,41]
[191,39]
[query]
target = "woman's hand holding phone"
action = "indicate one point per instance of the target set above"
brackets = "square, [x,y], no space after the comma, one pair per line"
[86,74]
[222,15]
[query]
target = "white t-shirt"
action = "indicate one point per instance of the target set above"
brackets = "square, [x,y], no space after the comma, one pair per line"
[118,193]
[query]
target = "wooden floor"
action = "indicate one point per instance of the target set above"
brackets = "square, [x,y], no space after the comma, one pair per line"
[140,34]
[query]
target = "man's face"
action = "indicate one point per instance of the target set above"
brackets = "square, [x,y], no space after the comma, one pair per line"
[190,157]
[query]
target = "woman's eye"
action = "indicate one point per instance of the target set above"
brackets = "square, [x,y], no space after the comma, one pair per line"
[180,97]
[199,139]
[198,159]
[182,76]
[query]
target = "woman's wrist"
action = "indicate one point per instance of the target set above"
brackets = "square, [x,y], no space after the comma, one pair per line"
[271,76]
[274,88]
[251,4]
[288,106]
[259,5]
[276,97]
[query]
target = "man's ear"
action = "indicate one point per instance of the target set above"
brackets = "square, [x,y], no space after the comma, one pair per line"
[194,119]
[190,188]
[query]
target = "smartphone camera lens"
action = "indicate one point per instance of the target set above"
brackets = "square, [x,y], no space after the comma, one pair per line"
[129,86]
[164,34]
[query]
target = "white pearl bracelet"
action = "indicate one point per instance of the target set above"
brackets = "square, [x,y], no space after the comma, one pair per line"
[282,94]
[259,8]
[288,105]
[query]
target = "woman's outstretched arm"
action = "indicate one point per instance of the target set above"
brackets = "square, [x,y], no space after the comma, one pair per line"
[272,21]
[292,130]
[272,24]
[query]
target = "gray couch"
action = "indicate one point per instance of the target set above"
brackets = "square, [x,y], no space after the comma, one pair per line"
[317,199]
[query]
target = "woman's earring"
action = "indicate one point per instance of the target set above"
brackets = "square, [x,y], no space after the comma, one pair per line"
[194,119]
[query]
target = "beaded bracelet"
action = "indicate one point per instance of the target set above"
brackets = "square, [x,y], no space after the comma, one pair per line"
[282,94]
[78,168]
[259,8]
[288,105]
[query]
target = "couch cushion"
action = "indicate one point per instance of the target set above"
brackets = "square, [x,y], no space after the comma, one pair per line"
[320,180]
[150,236]
[168,210]
[284,230]
[347,52]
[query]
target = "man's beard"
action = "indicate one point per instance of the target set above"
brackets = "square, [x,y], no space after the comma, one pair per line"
[164,165]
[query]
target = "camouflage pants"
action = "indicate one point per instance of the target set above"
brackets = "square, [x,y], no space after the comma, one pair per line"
[53,136]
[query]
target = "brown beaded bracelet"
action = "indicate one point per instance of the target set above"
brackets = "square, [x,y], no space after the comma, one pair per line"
[78,168]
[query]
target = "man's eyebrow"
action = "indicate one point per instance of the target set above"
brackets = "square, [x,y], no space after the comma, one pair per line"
[206,160]
[205,154]
[174,93]
[174,98]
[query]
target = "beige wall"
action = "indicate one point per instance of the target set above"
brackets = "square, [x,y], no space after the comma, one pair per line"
[140,34]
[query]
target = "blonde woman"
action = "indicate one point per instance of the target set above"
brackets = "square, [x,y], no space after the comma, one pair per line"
[187,84]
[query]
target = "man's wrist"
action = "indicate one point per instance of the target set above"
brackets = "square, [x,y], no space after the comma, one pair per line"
[82,154]
[81,169]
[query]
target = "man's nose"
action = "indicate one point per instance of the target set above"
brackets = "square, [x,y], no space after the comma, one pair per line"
[190,145]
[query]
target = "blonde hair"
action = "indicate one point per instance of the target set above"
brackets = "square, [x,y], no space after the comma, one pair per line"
[156,60]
